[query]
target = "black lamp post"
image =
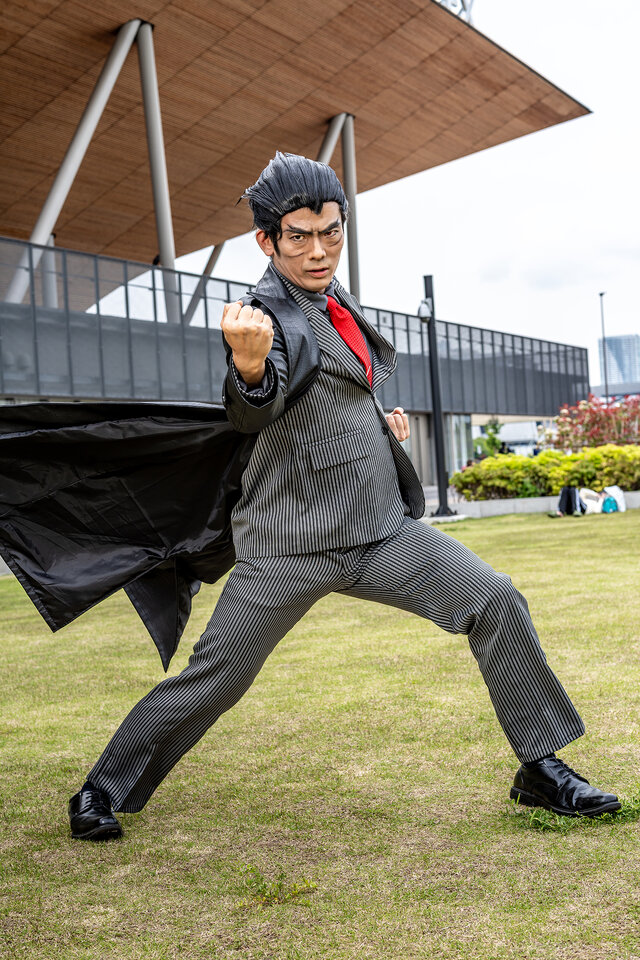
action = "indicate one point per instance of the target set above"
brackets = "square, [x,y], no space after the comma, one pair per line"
[604,347]
[427,313]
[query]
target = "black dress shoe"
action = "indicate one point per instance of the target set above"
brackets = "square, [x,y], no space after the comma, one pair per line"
[551,784]
[91,816]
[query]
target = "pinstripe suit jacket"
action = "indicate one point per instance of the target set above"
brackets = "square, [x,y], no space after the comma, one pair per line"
[325,471]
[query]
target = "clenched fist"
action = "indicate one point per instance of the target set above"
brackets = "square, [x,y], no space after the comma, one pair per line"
[249,333]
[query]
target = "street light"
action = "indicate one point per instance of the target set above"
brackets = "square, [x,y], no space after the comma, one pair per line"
[427,314]
[604,346]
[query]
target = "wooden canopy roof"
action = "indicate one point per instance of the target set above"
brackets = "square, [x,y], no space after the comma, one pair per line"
[238,80]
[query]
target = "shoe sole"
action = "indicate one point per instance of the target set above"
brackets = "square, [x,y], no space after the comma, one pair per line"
[529,800]
[99,833]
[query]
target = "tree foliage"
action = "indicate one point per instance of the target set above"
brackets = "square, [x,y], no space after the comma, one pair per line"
[594,422]
[488,443]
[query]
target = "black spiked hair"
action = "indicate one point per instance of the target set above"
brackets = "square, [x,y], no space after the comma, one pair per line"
[288,183]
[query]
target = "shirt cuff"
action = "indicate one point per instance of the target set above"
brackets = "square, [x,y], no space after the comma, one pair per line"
[261,394]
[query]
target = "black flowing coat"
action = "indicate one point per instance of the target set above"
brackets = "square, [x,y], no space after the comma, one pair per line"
[95,497]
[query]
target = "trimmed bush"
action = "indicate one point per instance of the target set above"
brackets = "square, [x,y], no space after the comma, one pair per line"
[510,475]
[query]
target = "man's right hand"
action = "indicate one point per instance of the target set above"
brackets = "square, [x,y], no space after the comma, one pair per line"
[249,333]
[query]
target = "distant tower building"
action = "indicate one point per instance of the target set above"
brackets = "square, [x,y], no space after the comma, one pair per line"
[623,359]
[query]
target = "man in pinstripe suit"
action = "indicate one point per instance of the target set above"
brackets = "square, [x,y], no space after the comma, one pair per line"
[329,502]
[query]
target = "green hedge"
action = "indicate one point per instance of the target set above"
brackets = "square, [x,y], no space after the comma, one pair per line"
[510,475]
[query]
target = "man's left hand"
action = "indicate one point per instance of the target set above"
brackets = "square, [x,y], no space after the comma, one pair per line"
[398,423]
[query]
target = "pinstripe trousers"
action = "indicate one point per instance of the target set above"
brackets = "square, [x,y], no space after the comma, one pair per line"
[418,569]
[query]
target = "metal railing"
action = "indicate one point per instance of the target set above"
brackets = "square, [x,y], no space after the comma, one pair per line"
[91,326]
[483,371]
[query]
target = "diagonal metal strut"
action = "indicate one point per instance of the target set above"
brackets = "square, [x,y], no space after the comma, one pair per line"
[74,156]
[76,151]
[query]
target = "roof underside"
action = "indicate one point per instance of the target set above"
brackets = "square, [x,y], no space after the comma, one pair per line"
[238,80]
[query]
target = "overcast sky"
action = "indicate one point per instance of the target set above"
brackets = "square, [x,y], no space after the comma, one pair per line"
[521,237]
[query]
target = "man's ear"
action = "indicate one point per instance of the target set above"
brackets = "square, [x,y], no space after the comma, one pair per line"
[265,243]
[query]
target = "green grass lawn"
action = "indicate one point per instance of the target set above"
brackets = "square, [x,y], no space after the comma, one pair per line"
[355,803]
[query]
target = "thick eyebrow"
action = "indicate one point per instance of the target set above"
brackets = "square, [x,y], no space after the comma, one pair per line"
[309,233]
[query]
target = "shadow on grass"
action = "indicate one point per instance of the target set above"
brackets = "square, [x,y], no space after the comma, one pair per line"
[536,818]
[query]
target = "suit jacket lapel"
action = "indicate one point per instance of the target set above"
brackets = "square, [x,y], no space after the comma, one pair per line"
[332,343]
[383,354]
[274,295]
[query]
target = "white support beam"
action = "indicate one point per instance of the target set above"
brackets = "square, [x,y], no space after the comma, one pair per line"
[331,138]
[351,188]
[48,276]
[158,165]
[74,156]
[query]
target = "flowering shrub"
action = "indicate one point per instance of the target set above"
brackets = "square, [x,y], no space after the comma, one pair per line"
[511,475]
[594,422]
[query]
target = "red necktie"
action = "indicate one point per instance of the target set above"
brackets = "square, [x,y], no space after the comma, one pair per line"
[350,333]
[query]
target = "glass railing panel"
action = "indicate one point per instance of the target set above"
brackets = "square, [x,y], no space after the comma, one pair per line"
[78,325]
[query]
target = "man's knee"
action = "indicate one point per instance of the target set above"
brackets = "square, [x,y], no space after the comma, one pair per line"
[226,666]
[502,596]
[494,597]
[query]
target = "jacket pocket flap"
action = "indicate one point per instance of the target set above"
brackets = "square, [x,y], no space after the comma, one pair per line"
[336,450]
